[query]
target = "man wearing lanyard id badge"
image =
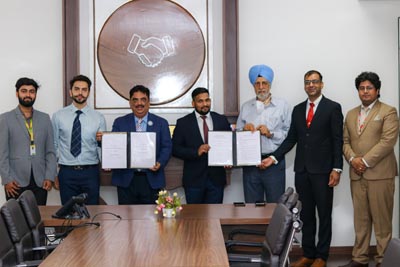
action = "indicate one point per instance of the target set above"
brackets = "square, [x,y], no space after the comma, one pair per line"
[27,155]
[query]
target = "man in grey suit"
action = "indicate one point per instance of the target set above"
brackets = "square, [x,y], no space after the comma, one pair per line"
[27,156]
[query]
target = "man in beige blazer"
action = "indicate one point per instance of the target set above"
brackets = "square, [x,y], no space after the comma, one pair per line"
[370,133]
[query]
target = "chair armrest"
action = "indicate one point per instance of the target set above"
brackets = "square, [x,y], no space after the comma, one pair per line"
[232,243]
[243,258]
[29,263]
[245,232]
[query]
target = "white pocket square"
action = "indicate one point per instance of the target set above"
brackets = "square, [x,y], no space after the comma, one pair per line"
[377,118]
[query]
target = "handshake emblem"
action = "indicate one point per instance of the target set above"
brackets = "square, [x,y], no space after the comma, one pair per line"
[151,51]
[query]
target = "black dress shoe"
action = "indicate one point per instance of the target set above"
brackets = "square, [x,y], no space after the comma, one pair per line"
[355,264]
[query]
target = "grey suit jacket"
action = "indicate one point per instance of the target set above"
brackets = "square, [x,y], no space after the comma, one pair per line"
[15,159]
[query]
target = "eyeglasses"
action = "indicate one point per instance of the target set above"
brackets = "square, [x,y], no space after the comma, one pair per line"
[367,88]
[137,100]
[263,83]
[308,82]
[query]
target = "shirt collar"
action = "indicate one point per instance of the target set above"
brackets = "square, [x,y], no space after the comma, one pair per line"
[316,102]
[84,110]
[370,106]
[144,119]
[198,115]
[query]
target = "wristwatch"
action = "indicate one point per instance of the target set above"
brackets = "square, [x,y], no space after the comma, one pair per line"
[337,170]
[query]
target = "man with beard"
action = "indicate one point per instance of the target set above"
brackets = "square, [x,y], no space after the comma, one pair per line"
[202,184]
[271,116]
[27,156]
[141,186]
[77,129]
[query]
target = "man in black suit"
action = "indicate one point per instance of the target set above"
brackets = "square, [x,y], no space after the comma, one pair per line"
[202,184]
[317,165]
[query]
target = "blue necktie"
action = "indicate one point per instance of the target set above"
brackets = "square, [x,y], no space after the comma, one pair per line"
[76,137]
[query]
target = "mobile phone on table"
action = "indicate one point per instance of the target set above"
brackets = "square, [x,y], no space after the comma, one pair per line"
[260,203]
[239,204]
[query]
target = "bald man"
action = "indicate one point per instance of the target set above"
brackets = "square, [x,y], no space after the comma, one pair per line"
[271,116]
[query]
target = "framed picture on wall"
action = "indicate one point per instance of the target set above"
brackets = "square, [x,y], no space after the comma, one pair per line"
[160,44]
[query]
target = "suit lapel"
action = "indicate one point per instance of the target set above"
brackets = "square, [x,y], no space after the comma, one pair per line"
[195,126]
[150,123]
[302,114]
[320,109]
[371,115]
[21,122]
[131,123]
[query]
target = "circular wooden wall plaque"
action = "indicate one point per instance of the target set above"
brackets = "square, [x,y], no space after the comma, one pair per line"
[156,43]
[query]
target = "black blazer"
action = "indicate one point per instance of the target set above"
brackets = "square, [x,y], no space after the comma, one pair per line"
[186,141]
[319,148]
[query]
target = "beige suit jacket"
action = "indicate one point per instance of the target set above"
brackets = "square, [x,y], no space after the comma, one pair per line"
[375,143]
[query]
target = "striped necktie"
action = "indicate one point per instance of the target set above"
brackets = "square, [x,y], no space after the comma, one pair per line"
[76,136]
[139,127]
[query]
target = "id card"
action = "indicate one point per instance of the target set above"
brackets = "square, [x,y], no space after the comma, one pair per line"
[33,150]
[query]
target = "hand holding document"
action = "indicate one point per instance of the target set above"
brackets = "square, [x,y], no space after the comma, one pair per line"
[234,148]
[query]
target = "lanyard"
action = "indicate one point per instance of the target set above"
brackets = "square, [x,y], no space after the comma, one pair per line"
[29,127]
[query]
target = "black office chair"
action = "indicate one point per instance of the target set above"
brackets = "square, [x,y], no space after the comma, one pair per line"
[278,240]
[19,231]
[391,256]
[31,211]
[8,256]
[289,198]
[34,220]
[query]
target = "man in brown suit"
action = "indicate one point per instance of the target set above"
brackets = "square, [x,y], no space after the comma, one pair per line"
[370,133]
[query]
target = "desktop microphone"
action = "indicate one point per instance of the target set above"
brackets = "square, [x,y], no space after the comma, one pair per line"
[80,198]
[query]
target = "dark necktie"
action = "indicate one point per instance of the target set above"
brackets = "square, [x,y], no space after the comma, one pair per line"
[205,129]
[76,136]
[310,114]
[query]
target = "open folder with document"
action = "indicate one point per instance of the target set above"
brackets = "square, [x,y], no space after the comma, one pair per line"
[240,148]
[122,150]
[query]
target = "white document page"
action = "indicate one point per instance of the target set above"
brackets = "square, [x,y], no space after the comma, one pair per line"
[220,153]
[113,150]
[143,150]
[248,148]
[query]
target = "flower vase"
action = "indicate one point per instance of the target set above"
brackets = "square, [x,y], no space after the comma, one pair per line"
[168,213]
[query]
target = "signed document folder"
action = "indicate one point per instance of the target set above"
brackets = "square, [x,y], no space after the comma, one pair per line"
[122,150]
[240,148]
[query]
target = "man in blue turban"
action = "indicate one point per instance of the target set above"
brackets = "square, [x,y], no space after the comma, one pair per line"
[271,116]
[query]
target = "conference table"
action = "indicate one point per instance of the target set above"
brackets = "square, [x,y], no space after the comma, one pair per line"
[141,238]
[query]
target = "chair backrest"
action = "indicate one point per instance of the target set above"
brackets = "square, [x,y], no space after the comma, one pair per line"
[284,224]
[18,229]
[292,201]
[284,197]
[31,211]
[391,257]
[277,232]
[8,256]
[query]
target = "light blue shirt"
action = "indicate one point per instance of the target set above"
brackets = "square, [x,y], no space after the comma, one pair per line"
[92,122]
[276,116]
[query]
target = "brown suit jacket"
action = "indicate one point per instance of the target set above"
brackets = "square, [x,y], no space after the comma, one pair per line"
[375,143]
